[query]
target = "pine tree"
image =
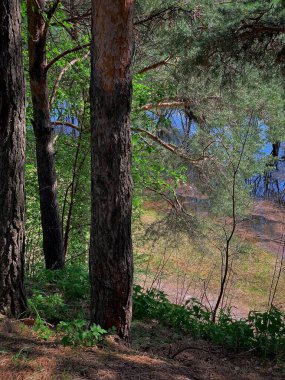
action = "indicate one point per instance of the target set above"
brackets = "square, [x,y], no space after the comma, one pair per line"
[111,262]
[12,161]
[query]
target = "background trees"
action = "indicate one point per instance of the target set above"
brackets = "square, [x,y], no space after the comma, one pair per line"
[203,112]
[180,111]
[39,15]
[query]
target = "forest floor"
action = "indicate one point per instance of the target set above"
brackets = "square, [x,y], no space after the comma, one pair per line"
[25,357]
[154,352]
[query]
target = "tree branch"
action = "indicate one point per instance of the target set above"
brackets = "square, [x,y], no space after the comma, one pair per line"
[68,124]
[165,104]
[63,54]
[154,66]
[259,28]
[162,14]
[51,11]
[170,147]
[59,78]
[208,350]
[79,17]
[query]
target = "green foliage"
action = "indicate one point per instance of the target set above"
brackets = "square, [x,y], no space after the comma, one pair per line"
[72,281]
[210,66]
[42,329]
[153,304]
[229,332]
[262,332]
[269,330]
[75,333]
[58,295]
[153,170]
[40,326]
[51,307]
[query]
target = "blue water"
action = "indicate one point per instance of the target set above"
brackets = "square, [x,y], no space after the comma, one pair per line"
[270,185]
[265,186]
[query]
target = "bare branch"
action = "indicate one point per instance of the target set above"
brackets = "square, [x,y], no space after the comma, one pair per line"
[178,103]
[172,148]
[165,104]
[208,350]
[59,78]
[154,66]
[79,17]
[67,124]
[261,29]
[163,14]
[63,54]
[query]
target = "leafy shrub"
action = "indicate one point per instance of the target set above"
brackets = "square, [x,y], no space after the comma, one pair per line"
[42,329]
[262,332]
[51,307]
[72,281]
[153,304]
[58,294]
[269,328]
[75,333]
[229,332]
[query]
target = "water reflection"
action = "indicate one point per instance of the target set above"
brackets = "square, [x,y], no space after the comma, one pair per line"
[271,185]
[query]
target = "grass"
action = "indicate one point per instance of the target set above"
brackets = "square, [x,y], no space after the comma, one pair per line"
[174,263]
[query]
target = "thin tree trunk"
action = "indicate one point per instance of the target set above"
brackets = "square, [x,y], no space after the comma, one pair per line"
[111,262]
[275,149]
[73,189]
[12,161]
[50,218]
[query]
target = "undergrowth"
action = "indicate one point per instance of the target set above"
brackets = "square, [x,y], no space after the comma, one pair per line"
[60,297]
[76,333]
[263,333]
[58,302]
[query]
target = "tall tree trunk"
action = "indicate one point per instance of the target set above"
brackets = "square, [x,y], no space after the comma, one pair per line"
[12,160]
[50,218]
[111,262]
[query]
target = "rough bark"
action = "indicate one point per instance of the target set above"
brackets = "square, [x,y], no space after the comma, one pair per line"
[50,218]
[12,161]
[111,262]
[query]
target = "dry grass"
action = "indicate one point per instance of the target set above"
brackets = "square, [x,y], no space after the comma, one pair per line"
[183,270]
[24,357]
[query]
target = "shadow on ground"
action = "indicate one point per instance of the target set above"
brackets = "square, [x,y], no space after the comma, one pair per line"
[24,356]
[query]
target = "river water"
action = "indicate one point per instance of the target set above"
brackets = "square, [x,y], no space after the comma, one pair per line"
[266,225]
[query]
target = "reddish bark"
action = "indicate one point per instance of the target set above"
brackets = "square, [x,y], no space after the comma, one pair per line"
[111,262]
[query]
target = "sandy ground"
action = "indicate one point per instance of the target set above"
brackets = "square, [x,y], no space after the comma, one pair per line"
[265,227]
